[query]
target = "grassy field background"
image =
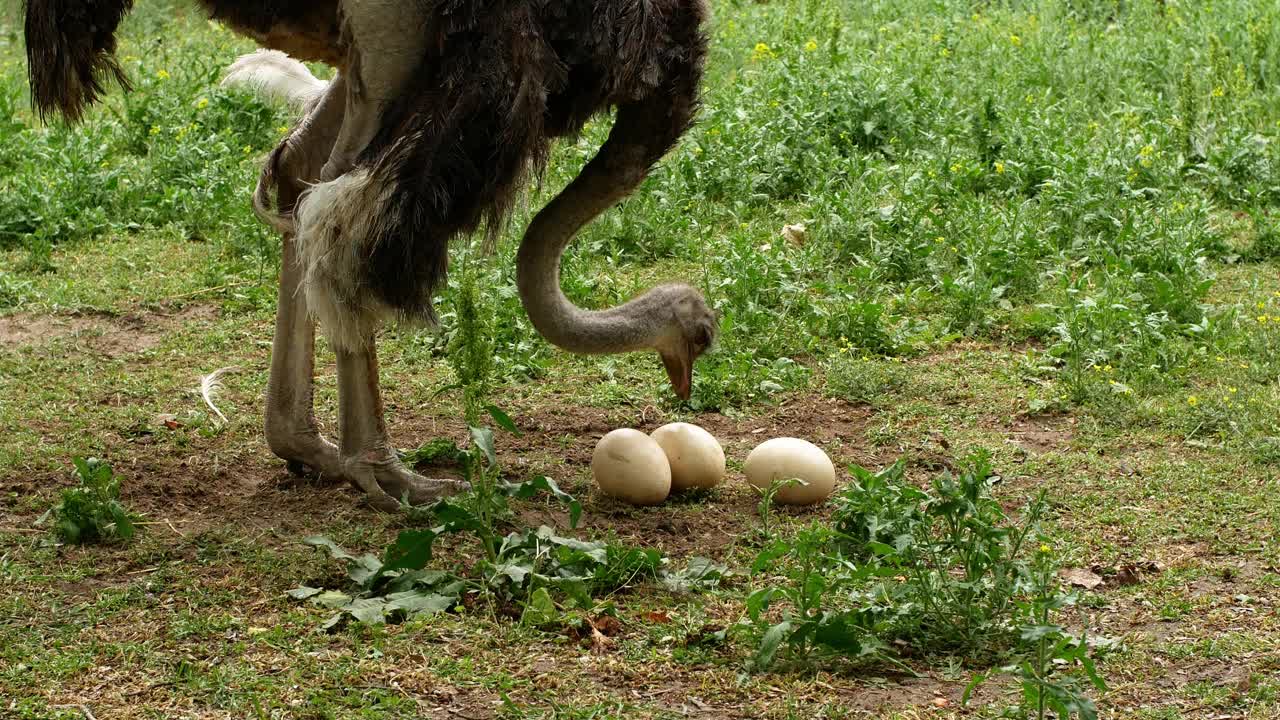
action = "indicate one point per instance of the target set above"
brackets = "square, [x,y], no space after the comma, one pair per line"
[1043,228]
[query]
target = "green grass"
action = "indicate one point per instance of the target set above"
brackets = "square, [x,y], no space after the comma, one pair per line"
[1047,228]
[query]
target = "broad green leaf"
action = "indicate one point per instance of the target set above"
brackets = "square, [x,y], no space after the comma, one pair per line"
[410,551]
[882,549]
[700,574]
[540,609]
[455,518]
[369,610]
[516,572]
[482,438]
[335,551]
[530,488]
[769,644]
[840,635]
[332,599]
[978,679]
[1032,633]
[758,601]
[503,420]
[304,592]
[416,601]
[766,557]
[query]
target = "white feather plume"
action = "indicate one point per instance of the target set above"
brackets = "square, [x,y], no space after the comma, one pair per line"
[210,385]
[277,76]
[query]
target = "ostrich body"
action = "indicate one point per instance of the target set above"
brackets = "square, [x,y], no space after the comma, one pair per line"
[439,112]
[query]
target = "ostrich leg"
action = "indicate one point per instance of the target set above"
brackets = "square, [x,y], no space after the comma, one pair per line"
[291,428]
[386,42]
[370,462]
[385,45]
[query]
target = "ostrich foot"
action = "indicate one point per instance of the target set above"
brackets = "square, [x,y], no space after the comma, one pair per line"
[310,454]
[369,460]
[388,483]
[380,475]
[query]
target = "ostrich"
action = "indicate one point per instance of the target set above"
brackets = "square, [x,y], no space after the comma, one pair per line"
[439,112]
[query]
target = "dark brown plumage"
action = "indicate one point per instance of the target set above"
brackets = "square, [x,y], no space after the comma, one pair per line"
[500,82]
[71,48]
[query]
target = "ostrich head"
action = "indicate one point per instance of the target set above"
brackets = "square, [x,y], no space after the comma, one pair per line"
[686,333]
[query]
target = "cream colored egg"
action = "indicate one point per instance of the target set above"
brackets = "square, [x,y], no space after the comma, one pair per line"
[630,466]
[696,458]
[785,458]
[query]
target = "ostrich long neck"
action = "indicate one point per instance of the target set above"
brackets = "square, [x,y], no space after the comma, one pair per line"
[635,325]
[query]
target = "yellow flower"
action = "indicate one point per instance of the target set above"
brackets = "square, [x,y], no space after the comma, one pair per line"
[1015,40]
[1044,548]
[1192,400]
[945,52]
[155,129]
[762,51]
[811,45]
[1262,319]
[1218,92]
[999,168]
[202,104]
[163,74]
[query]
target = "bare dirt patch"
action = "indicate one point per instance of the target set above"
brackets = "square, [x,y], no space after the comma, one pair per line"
[1040,434]
[113,336]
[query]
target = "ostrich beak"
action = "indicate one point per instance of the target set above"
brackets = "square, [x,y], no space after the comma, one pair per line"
[679,366]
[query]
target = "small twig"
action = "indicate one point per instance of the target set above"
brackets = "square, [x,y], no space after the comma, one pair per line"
[176,531]
[144,571]
[20,530]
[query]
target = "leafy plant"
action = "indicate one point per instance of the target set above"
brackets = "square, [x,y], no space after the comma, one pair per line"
[764,508]
[1053,660]
[962,556]
[940,571]
[879,508]
[527,567]
[92,512]
[817,580]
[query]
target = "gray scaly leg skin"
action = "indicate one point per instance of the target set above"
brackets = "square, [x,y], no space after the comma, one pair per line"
[368,458]
[291,429]
[385,45]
